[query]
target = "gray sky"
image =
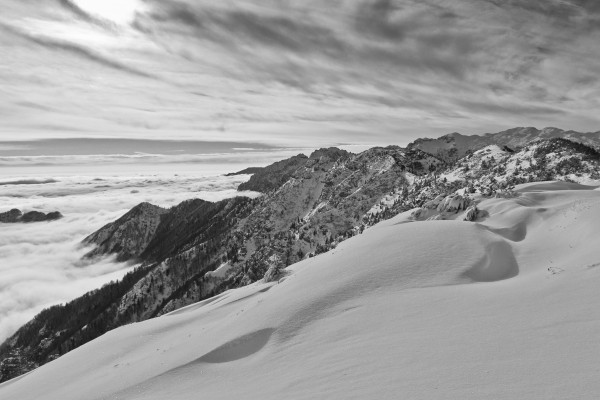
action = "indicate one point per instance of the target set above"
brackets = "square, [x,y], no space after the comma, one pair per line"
[296,72]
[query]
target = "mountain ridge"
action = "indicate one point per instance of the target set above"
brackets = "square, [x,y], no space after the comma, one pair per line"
[309,206]
[455,145]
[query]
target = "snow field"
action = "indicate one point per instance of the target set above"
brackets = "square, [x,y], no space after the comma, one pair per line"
[503,308]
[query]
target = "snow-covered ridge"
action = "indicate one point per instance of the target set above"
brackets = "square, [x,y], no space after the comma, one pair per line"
[455,146]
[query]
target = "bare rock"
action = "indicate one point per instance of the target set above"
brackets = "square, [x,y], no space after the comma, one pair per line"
[471,214]
[272,274]
[416,214]
[15,215]
[453,203]
[11,216]
[33,216]
[433,204]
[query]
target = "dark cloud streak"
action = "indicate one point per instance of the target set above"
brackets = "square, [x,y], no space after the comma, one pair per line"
[78,12]
[233,26]
[79,51]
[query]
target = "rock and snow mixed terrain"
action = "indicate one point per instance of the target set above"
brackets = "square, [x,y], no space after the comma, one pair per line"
[454,145]
[504,308]
[483,219]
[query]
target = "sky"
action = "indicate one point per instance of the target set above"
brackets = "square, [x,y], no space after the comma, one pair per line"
[296,72]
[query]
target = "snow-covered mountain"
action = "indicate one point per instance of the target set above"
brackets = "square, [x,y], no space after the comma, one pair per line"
[310,205]
[504,308]
[455,146]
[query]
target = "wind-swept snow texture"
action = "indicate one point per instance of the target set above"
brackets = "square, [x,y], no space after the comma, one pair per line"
[503,308]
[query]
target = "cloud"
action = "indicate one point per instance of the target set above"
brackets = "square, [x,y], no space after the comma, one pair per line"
[41,266]
[399,69]
[41,263]
[27,182]
[79,12]
[249,33]
[378,18]
[240,157]
[86,53]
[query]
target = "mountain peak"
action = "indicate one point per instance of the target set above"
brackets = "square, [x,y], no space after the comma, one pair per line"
[129,235]
[552,128]
[332,153]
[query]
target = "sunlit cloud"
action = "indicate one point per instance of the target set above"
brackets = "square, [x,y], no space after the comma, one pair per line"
[117,11]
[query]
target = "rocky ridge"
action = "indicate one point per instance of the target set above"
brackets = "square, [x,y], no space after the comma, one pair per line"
[130,235]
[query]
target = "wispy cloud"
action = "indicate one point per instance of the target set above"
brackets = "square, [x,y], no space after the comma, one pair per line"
[77,50]
[79,12]
[394,69]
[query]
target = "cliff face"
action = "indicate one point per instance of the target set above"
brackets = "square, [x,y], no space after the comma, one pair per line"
[310,204]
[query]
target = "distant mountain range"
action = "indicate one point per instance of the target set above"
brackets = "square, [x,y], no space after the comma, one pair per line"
[454,145]
[310,204]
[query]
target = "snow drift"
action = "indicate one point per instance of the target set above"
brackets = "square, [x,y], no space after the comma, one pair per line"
[502,308]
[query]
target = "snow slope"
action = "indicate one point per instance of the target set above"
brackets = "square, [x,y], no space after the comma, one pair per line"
[504,308]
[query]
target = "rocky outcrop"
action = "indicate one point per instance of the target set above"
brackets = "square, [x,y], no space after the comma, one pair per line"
[129,236]
[15,215]
[36,216]
[433,204]
[452,146]
[11,216]
[274,271]
[246,171]
[331,154]
[273,176]
[471,214]
[453,203]
[416,214]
